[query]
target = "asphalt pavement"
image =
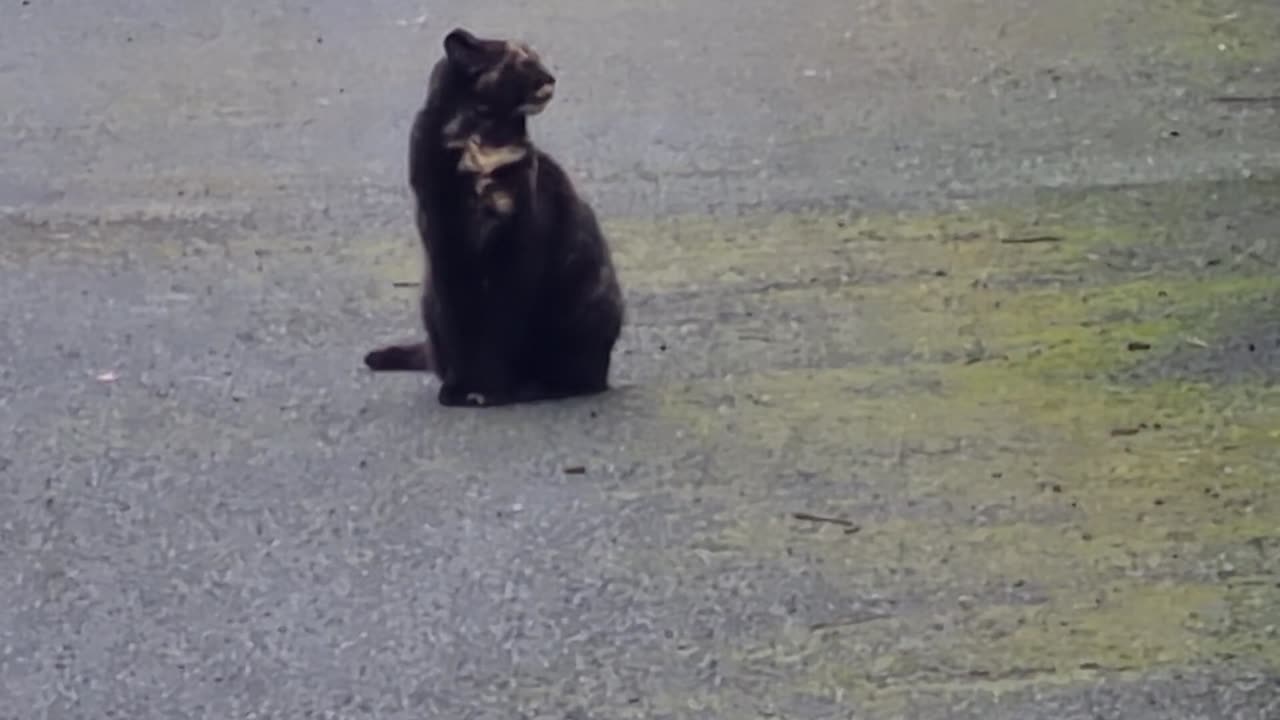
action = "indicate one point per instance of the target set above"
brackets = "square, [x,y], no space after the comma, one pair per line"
[948,390]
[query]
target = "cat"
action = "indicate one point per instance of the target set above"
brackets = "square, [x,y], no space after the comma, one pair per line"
[521,300]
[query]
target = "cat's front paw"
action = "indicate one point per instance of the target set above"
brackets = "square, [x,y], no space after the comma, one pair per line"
[455,396]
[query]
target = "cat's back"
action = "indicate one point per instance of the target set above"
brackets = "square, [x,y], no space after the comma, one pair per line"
[585,263]
[557,189]
[428,153]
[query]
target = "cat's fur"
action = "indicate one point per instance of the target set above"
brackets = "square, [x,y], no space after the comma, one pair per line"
[520,301]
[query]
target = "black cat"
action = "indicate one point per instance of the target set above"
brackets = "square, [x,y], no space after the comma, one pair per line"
[520,301]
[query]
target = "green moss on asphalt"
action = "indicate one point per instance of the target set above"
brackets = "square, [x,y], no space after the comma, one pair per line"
[1085,513]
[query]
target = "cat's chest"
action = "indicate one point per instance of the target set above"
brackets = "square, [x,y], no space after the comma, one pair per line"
[489,171]
[491,176]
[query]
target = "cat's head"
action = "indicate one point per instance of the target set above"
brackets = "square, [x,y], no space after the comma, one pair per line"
[500,77]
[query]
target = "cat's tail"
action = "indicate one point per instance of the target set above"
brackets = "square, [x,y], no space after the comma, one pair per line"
[413,357]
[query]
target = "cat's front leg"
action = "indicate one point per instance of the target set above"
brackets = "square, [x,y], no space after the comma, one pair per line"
[484,380]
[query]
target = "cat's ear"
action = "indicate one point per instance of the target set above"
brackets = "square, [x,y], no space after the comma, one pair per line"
[466,50]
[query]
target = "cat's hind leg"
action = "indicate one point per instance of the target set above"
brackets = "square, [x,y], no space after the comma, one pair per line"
[572,371]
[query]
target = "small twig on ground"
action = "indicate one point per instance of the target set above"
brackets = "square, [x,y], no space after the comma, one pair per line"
[1248,99]
[405,283]
[809,517]
[849,622]
[1031,240]
[1253,254]
[575,470]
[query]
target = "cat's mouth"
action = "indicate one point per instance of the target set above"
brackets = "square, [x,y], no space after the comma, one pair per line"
[539,101]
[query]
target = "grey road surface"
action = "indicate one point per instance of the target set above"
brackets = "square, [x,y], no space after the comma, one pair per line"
[949,388]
